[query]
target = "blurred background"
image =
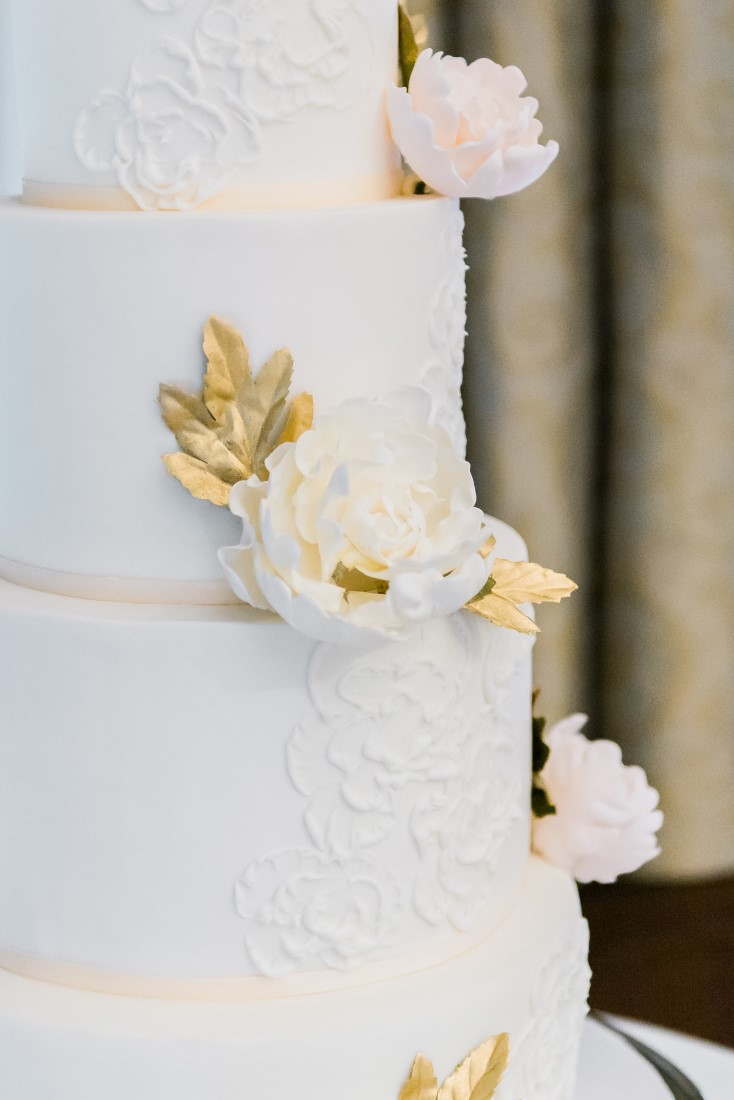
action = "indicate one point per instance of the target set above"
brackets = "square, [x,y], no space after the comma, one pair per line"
[600,402]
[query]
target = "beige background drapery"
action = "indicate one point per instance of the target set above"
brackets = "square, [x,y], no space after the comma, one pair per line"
[600,377]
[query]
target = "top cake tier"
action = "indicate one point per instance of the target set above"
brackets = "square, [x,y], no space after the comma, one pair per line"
[227,104]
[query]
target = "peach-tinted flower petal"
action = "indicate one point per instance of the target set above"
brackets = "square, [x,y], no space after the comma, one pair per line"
[467,130]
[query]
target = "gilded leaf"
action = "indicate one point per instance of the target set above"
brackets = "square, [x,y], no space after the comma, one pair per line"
[485,590]
[478,1077]
[526,582]
[487,548]
[354,580]
[227,432]
[263,409]
[422,1083]
[195,476]
[407,46]
[300,419]
[502,612]
[228,371]
[198,434]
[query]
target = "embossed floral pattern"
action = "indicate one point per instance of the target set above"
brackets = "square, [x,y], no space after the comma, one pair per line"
[190,117]
[546,1057]
[382,720]
[462,830]
[307,909]
[289,55]
[442,377]
[504,656]
[172,141]
[414,735]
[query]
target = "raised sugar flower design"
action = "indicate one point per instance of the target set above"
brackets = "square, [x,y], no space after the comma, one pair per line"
[383,718]
[606,813]
[306,909]
[467,130]
[172,141]
[366,525]
[289,55]
[461,830]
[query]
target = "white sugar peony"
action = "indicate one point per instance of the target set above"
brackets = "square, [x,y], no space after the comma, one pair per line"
[606,813]
[373,488]
[467,130]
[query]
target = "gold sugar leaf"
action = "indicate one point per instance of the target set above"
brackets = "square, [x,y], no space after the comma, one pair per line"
[198,434]
[514,582]
[300,419]
[354,580]
[526,582]
[228,370]
[422,1083]
[503,612]
[227,432]
[486,549]
[195,476]
[263,408]
[407,46]
[478,1077]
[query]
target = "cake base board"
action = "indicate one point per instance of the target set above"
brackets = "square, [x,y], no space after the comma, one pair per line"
[611,1069]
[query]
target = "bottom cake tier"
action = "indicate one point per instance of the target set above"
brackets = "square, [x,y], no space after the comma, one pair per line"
[529,978]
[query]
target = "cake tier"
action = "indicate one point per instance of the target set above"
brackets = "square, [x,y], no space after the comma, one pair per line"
[170,104]
[530,978]
[97,309]
[191,796]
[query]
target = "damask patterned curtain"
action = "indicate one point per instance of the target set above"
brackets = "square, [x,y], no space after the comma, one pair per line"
[600,377]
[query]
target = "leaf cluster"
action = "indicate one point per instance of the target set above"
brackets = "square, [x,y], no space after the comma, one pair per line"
[227,432]
[517,582]
[477,1078]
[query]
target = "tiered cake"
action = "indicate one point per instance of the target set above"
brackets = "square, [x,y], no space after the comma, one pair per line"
[237,861]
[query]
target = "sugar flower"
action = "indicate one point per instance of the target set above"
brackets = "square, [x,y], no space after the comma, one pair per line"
[467,130]
[365,525]
[606,813]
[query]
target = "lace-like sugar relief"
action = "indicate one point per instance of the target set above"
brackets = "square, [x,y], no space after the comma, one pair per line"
[422,721]
[443,376]
[191,115]
[543,1063]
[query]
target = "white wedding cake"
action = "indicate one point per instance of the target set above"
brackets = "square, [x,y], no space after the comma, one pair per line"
[248,854]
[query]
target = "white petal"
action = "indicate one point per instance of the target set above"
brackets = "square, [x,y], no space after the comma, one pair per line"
[239,570]
[520,166]
[415,136]
[428,90]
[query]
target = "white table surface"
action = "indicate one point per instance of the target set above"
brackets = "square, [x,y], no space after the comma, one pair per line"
[710,1067]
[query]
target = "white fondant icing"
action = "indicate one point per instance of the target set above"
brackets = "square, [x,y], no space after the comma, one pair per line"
[358,1041]
[151,776]
[95,309]
[244,92]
